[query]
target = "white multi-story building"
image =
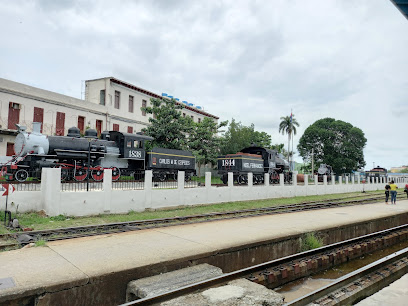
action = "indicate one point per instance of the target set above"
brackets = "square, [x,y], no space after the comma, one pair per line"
[110,104]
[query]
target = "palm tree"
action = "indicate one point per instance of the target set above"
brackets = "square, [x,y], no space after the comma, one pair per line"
[288,125]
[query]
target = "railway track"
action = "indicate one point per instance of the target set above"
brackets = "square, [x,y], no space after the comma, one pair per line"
[359,284]
[264,271]
[14,240]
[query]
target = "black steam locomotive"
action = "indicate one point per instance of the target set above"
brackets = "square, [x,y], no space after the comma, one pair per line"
[257,160]
[80,157]
[376,172]
[324,170]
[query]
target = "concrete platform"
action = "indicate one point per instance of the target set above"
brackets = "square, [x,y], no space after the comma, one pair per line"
[83,264]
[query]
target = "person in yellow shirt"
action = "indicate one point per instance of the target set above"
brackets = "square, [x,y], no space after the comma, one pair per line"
[393,188]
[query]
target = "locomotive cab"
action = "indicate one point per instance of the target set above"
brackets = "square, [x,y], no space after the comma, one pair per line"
[130,146]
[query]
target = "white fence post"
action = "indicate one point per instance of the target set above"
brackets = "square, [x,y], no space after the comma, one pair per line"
[230,179]
[294,178]
[180,179]
[250,179]
[51,191]
[207,179]
[281,180]
[107,180]
[107,189]
[266,179]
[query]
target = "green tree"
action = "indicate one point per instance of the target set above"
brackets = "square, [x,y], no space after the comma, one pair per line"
[336,143]
[167,126]
[204,141]
[288,125]
[239,136]
[280,148]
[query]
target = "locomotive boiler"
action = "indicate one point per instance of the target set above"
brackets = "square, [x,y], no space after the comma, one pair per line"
[80,157]
[257,160]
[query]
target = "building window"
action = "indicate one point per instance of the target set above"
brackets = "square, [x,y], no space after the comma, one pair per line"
[192,117]
[144,104]
[102,97]
[13,115]
[116,127]
[199,120]
[60,124]
[39,116]
[130,129]
[99,126]
[10,149]
[184,114]
[81,124]
[130,104]
[117,99]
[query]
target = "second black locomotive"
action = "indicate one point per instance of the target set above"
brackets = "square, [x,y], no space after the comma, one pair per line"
[256,160]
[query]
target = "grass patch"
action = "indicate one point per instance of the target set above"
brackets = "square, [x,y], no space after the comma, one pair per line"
[41,243]
[39,221]
[310,242]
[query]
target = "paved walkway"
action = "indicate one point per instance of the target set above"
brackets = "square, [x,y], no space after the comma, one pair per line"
[75,261]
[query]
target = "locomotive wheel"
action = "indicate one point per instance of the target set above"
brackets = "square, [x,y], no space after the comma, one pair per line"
[187,177]
[64,174]
[241,179]
[21,175]
[115,174]
[80,174]
[162,176]
[97,175]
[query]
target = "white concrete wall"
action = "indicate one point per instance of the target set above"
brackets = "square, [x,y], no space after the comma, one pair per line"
[55,202]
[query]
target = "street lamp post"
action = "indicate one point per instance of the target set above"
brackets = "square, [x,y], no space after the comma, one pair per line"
[89,164]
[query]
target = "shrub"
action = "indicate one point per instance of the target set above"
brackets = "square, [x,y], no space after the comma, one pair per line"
[310,242]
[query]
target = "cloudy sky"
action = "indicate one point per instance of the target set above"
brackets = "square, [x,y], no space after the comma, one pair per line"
[254,61]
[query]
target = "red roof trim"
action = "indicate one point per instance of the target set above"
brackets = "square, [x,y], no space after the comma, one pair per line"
[149,93]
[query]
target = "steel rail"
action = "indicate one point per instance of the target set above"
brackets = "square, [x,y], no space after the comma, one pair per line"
[101,229]
[349,278]
[256,269]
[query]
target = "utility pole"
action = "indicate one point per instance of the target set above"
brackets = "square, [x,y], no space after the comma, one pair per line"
[312,161]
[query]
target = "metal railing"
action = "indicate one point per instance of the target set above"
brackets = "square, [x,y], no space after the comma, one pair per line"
[130,181]
[170,183]
[194,182]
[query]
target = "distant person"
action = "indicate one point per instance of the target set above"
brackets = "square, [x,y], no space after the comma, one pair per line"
[393,188]
[406,189]
[387,193]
